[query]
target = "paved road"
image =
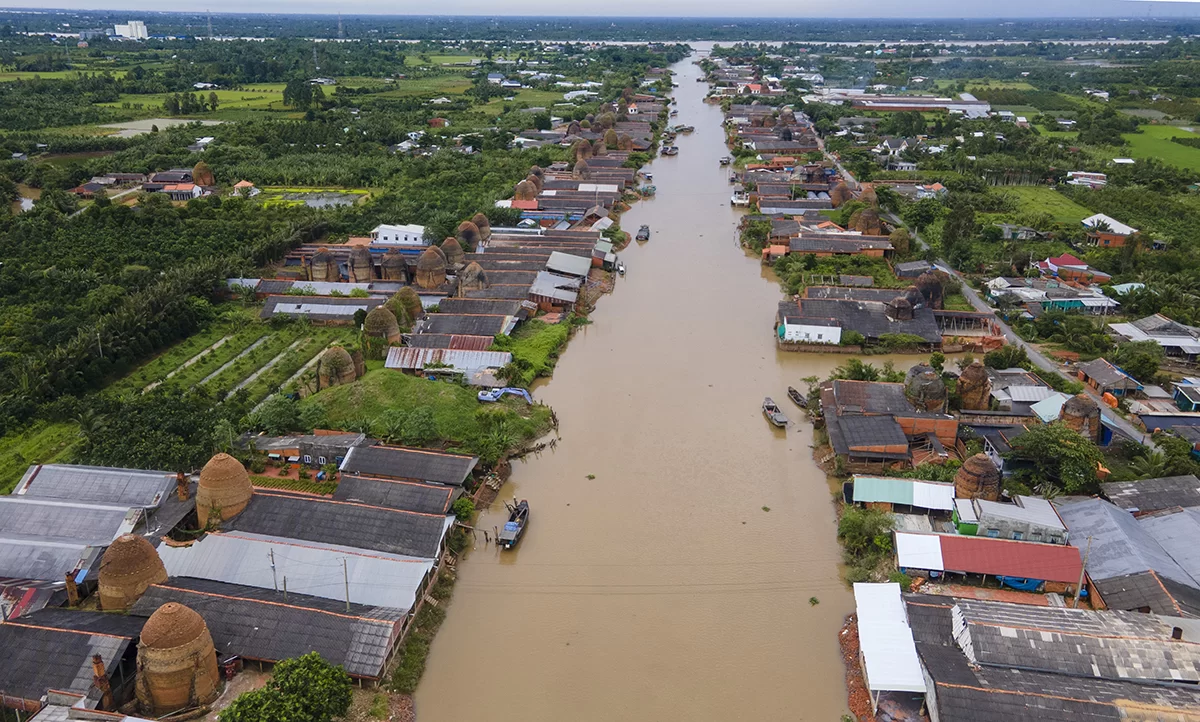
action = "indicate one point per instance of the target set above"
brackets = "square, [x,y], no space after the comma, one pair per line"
[1039,359]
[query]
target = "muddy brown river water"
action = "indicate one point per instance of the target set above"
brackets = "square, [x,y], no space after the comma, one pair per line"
[662,589]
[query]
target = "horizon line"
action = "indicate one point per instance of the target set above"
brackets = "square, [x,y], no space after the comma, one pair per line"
[674,18]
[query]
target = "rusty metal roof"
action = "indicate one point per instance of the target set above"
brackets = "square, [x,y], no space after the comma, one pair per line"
[418,358]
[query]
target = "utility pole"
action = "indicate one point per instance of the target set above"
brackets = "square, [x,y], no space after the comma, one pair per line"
[274,579]
[1082,570]
[346,579]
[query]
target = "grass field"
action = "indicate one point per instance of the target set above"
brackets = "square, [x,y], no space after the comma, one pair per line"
[8,77]
[438,85]
[413,61]
[534,98]
[42,443]
[263,96]
[456,410]
[1043,199]
[1155,142]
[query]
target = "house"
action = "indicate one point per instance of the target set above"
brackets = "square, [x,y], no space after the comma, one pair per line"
[268,625]
[477,368]
[1106,231]
[1016,232]
[933,190]
[1106,378]
[405,464]
[1179,341]
[439,123]
[1022,564]
[313,450]
[1147,496]
[401,235]
[911,269]
[891,493]
[182,191]
[245,188]
[990,661]
[1027,518]
[495,78]
[1071,268]
[1187,398]
[65,651]
[1084,178]
[1127,562]
[874,423]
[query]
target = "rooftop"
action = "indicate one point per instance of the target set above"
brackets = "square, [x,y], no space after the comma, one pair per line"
[374,579]
[397,462]
[984,555]
[335,522]
[1149,495]
[896,490]
[406,495]
[95,484]
[264,624]
[47,655]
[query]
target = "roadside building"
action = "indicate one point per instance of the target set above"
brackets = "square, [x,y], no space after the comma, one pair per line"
[1106,231]
[1106,378]
[1180,342]
[1147,496]
[1127,563]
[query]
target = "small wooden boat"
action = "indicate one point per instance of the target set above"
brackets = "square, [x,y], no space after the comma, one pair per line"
[684,129]
[726,160]
[643,233]
[620,268]
[797,397]
[518,519]
[670,150]
[773,413]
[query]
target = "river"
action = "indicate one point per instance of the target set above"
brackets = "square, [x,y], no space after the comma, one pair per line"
[662,588]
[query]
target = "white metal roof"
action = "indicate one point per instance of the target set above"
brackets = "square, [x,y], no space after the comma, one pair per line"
[417,358]
[933,496]
[919,551]
[1033,510]
[1049,408]
[966,511]
[1114,225]
[375,578]
[1025,394]
[889,654]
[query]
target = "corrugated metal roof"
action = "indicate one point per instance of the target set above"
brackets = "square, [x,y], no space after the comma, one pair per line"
[915,492]
[560,262]
[375,578]
[889,653]
[1026,394]
[94,524]
[1005,557]
[1030,509]
[418,358]
[984,555]
[1120,545]
[102,485]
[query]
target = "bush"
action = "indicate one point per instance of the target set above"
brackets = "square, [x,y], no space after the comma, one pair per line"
[463,509]
[304,689]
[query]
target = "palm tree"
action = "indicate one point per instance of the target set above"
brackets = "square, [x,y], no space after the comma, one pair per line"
[1151,465]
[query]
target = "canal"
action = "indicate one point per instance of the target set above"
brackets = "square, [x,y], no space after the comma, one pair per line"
[676,539]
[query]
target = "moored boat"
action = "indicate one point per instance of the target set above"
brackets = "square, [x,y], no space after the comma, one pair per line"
[773,413]
[797,397]
[518,519]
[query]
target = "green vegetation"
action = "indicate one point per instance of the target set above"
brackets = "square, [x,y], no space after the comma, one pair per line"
[426,624]
[866,537]
[42,443]
[535,347]
[381,396]
[1154,141]
[1061,457]
[304,689]
[1044,200]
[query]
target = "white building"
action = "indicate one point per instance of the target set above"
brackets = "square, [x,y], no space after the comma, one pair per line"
[134,30]
[406,235]
[796,331]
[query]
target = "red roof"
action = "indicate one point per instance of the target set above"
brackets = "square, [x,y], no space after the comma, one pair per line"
[1009,558]
[1067,259]
[525,205]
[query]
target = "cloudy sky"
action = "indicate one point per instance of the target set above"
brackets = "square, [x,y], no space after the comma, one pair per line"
[945,9]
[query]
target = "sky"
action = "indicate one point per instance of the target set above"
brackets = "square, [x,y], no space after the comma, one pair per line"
[942,9]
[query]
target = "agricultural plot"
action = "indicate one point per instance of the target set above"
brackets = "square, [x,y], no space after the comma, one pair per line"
[438,85]
[42,443]
[1155,142]
[263,96]
[1043,199]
